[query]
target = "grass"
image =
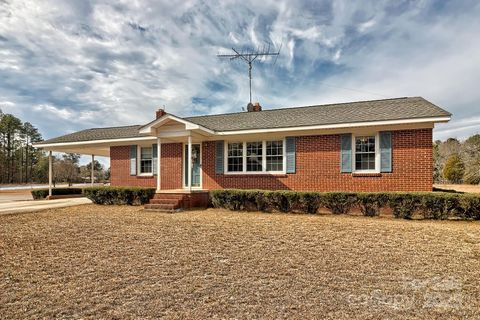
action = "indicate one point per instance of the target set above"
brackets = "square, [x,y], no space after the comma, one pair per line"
[119,262]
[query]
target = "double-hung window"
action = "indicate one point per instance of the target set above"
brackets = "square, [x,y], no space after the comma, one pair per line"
[365,153]
[255,156]
[146,160]
[275,155]
[235,157]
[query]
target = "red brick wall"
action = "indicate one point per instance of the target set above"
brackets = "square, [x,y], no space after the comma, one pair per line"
[171,168]
[318,167]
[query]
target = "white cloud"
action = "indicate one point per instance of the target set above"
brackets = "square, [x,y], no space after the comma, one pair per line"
[106,63]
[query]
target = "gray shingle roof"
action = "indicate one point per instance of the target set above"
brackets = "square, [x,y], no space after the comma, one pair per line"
[97,134]
[376,110]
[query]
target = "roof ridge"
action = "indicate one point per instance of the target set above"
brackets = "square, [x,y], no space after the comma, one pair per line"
[113,127]
[310,106]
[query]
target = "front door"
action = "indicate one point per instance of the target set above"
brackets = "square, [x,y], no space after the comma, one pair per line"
[196,163]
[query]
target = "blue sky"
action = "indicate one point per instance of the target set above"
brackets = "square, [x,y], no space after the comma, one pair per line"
[71,65]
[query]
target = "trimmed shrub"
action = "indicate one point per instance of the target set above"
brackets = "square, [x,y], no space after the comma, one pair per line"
[283,201]
[310,202]
[431,205]
[439,205]
[371,203]
[404,205]
[470,207]
[339,202]
[39,194]
[119,195]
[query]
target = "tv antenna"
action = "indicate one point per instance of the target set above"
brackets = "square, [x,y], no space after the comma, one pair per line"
[249,57]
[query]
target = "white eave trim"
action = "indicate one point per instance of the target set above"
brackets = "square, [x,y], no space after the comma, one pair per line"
[188,125]
[89,142]
[337,126]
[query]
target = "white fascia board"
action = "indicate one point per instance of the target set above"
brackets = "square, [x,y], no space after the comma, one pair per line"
[188,125]
[336,126]
[90,142]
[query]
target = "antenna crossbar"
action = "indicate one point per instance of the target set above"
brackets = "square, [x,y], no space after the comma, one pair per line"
[249,58]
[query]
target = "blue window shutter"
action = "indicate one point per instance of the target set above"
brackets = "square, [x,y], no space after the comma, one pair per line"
[133,160]
[346,153]
[219,156]
[154,158]
[290,153]
[385,151]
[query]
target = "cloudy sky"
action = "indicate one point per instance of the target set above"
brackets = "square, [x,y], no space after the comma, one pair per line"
[70,65]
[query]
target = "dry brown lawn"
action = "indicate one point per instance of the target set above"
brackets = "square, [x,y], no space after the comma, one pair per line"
[119,262]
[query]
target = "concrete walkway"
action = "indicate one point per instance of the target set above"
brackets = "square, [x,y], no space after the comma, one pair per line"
[30,205]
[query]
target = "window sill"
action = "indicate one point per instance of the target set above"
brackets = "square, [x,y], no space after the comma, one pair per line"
[145,175]
[253,174]
[366,174]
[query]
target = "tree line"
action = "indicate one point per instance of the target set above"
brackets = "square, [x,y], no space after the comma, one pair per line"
[21,163]
[457,161]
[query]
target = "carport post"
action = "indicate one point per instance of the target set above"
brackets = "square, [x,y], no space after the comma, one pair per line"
[93,171]
[189,163]
[50,173]
[159,157]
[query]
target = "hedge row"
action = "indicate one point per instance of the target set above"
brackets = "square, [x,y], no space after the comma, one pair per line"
[39,194]
[119,195]
[429,205]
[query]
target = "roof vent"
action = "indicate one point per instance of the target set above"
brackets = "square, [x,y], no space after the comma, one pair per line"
[254,107]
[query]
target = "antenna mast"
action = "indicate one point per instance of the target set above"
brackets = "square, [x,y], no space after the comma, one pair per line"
[249,57]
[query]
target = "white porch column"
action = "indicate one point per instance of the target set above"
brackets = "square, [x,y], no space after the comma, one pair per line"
[92,177]
[50,169]
[189,171]
[159,153]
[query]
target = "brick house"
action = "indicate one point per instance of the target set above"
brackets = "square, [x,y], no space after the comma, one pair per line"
[380,145]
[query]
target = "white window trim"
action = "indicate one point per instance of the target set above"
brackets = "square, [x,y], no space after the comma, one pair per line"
[377,152]
[264,157]
[139,162]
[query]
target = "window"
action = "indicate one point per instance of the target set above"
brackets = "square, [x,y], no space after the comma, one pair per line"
[365,153]
[254,156]
[235,157]
[275,155]
[146,162]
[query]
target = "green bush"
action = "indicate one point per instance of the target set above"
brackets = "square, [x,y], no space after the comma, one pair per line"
[310,202]
[371,203]
[38,194]
[404,205]
[470,207]
[439,205]
[339,202]
[429,205]
[119,195]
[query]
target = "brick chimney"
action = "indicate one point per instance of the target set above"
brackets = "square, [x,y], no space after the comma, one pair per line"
[254,107]
[160,113]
